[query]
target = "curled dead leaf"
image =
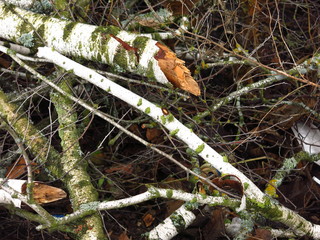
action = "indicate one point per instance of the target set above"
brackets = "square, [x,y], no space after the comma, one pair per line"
[124,236]
[154,135]
[180,7]
[5,63]
[18,168]
[175,70]
[230,183]
[44,193]
[123,168]
[148,219]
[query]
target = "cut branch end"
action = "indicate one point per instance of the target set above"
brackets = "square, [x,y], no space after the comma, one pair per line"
[175,70]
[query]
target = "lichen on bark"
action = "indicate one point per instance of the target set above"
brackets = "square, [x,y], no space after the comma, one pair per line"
[32,137]
[76,176]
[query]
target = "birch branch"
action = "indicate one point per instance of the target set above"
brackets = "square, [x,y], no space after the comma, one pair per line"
[32,137]
[16,47]
[13,187]
[33,5]
[308,65]
[110,45]
[175,127]
[256,199]
[71,161]
[167,229]
[170,226]
[152,193]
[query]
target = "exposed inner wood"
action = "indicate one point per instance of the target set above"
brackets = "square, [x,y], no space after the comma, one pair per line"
[175,70]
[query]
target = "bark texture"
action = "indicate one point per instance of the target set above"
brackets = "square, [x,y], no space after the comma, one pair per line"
[123,50]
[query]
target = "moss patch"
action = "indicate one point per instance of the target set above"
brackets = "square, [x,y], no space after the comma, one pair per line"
[140,43]
[68,29]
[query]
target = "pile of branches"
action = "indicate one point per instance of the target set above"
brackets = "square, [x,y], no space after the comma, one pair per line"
[173,120]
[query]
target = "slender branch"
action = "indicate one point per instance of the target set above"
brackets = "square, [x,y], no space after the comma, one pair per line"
[109,119]
[48,218]
[279,73]
[90,208]
[26,159]
[256,200]
[255,197]
[71,161]
[301,69]
[175,127]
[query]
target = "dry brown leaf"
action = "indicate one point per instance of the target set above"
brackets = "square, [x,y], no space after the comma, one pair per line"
[180,7]
[215,228]
[253,6]
[5,63]
[261,234]
[175,70]
[123,168]
[45,194]
[123,236]
[153,135]
[148,219]
[18,168]
[134,128]
[172,206]
[229,183]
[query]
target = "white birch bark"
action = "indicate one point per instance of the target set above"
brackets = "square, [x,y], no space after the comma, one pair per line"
[257,199]
[132,52]
[266,206]
[168,228]
[33,5]
[169,121]
[5,197]
[69,38]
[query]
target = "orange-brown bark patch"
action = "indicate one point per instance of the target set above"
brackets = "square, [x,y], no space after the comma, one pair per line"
[175,70]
